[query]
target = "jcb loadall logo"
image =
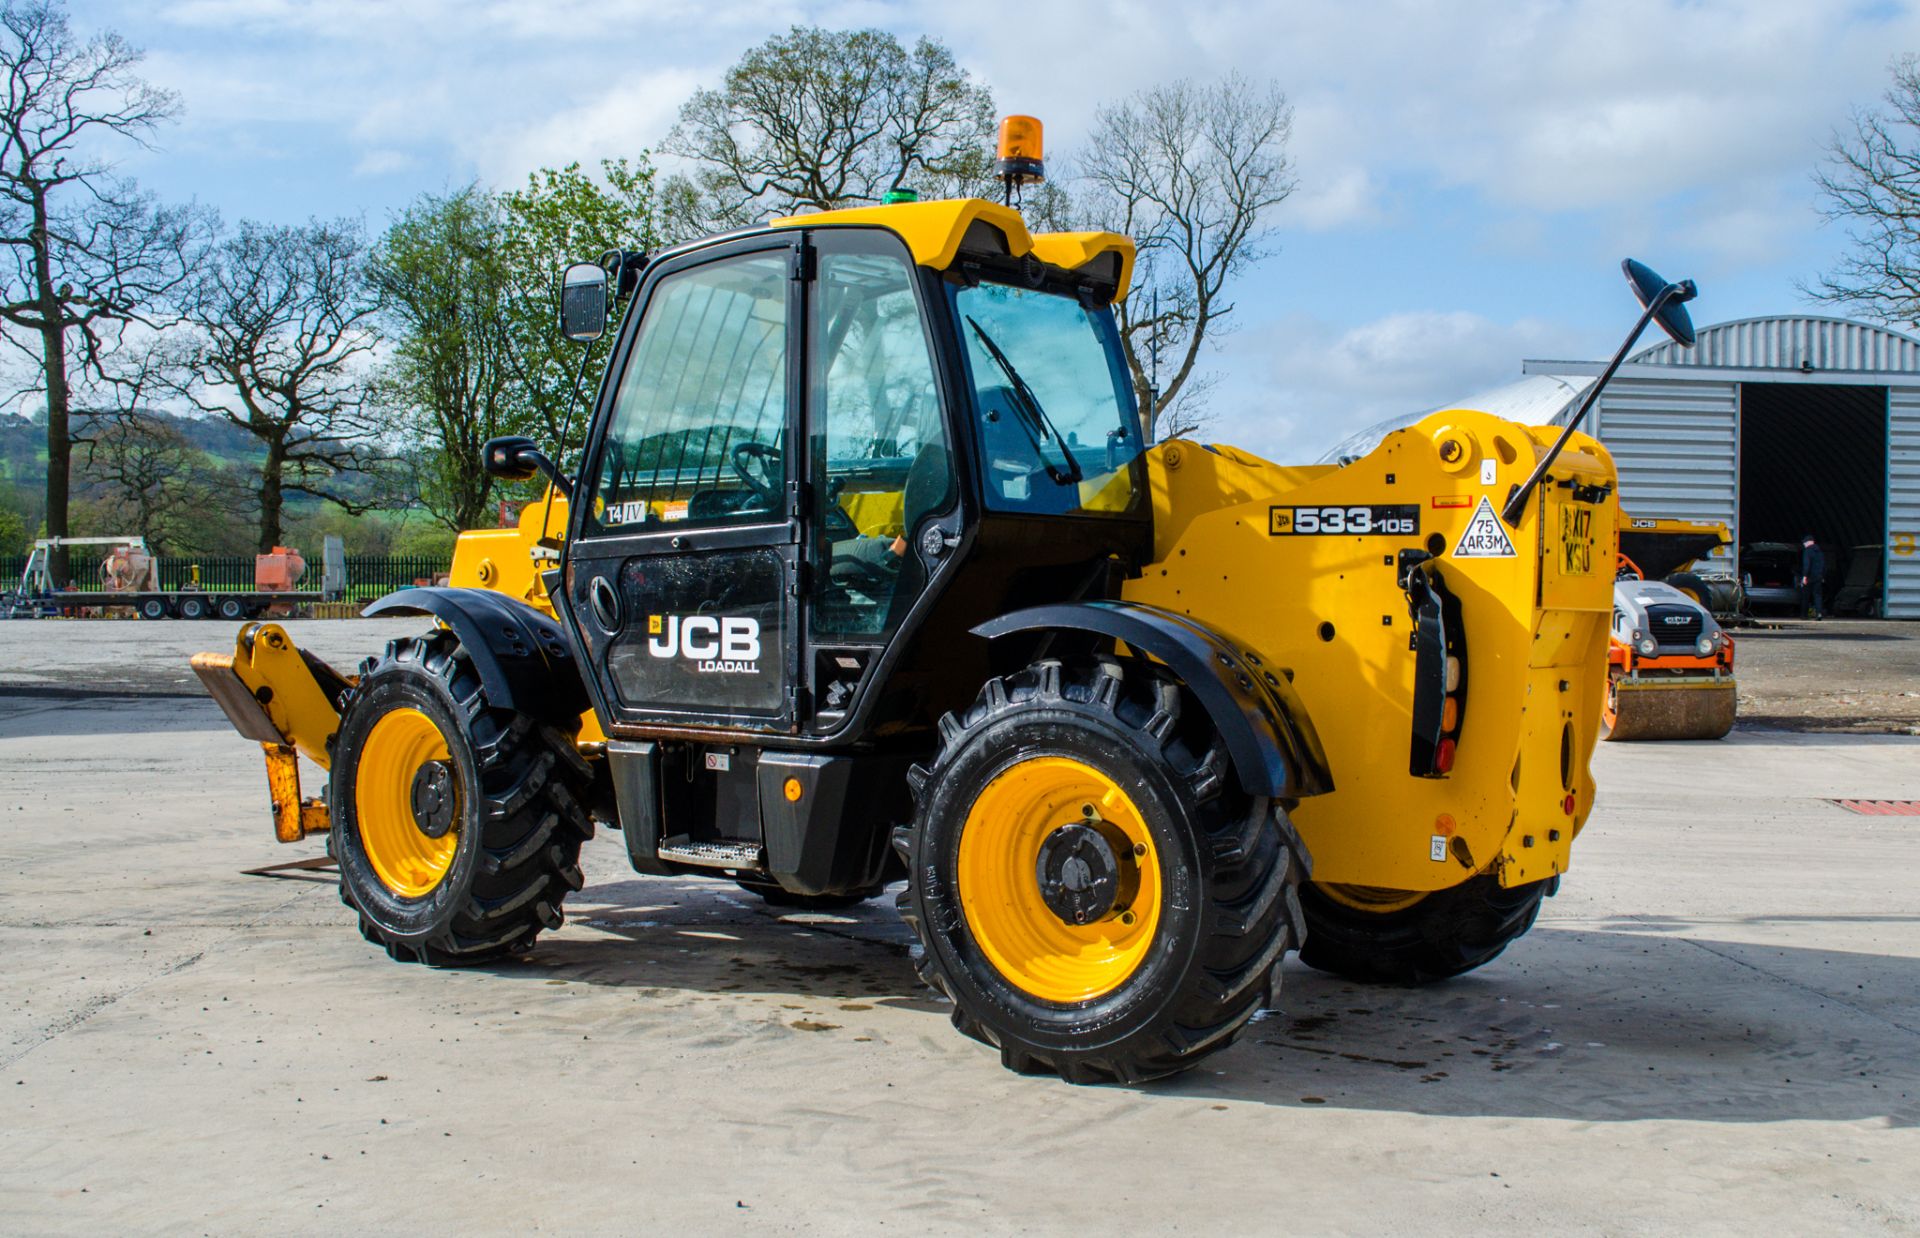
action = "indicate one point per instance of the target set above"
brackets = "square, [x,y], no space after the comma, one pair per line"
[715,644]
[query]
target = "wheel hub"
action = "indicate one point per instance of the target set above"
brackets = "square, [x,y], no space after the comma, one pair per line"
[1079,873]
[432,798]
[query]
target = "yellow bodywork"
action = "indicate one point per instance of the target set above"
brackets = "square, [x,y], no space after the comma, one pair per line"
[934,231]
[274,698]
[1331,610]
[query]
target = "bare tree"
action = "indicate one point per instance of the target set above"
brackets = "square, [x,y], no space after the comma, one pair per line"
[278,327]
[816,119]
[89,252]
[141,475]
[1871,185]
[1192,171]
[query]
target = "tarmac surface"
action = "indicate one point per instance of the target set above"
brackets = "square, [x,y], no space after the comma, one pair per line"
[1714,1028]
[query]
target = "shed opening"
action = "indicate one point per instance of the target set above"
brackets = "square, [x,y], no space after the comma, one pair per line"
[1813,459]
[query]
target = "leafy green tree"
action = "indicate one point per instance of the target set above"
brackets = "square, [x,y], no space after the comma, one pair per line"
[565,215]
[13,534]
[816,119]
[445,283]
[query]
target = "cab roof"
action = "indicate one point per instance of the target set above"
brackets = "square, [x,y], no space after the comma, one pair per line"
[935,233]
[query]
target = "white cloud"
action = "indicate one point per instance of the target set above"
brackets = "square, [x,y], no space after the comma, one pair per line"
[1295,387]
[382,163]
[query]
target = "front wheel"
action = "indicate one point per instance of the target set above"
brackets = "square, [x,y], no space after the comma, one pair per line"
[457,824]
[1405,937]
[1090,885]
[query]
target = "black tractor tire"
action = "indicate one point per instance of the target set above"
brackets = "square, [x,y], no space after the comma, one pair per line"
[154,608]
[1693,586]
[195,608]
[1446,934]
[520,818]
[1229,866]
[232,608]
[778,896]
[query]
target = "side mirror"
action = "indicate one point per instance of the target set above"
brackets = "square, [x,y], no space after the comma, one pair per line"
[1672,314]
[583,302]
[515,457]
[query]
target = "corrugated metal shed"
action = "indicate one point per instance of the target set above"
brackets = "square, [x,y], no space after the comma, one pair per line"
[1675,420]
[1789,343]
[1903,501]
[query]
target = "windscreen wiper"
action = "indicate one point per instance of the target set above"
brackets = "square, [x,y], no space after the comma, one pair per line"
[1033,418]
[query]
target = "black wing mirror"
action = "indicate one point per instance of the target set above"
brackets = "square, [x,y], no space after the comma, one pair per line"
[515,457]
[583,302]
[1670,312]
[1660,302]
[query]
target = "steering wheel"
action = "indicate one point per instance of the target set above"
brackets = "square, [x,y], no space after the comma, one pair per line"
[761,484]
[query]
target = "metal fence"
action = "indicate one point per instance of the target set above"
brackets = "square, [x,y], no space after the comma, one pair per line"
[368,576]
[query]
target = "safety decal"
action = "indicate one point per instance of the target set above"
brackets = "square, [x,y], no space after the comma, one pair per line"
[1486,537]
[1437,848]
[1489,472]
[1389,519]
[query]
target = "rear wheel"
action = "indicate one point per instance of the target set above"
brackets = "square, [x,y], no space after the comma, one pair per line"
[154,608]
[232,608]
[1091,886]
[193,608]
[457,825]
[1410,937]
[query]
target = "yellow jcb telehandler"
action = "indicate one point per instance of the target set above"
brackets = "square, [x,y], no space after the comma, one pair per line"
[868,575]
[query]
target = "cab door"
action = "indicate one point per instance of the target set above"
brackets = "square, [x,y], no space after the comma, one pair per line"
[683,570]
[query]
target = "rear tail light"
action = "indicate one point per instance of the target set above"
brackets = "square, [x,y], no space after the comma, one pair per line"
[1443,756]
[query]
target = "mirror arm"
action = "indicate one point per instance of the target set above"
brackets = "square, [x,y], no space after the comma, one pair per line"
[552,473]
[1517,502]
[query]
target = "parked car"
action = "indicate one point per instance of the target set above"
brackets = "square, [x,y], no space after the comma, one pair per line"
[1770,573]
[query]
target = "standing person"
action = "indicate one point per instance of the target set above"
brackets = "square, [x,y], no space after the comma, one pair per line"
[1813,575]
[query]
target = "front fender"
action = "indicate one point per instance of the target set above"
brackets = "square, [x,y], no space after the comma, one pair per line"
[1269,736]
[521,655]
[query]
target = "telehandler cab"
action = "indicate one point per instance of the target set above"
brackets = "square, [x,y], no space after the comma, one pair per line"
[869,575]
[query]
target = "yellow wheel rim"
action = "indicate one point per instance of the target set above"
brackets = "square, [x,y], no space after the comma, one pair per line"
[1376,899]
[406,860]
[1000,895]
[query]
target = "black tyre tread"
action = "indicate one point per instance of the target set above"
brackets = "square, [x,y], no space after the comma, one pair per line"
[1256,862]
[1446,934]
[532,819]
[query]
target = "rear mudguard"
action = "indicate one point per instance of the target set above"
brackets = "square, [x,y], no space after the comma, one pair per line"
[1268,734]
[522,655]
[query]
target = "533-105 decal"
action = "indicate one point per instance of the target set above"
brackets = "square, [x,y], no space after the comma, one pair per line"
[1389,519]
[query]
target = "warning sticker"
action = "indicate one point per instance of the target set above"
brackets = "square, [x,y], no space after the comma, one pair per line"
[1486,537]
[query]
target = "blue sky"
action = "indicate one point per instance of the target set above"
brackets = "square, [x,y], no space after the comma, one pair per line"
[1470,173]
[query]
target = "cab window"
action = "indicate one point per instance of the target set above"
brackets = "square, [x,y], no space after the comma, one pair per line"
[880,447]
[1057,423]
[697,434]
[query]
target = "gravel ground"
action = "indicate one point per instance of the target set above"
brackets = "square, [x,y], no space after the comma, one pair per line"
[1831,675]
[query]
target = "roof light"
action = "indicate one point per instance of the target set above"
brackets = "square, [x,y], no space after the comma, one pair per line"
[896,196]
[1020,152]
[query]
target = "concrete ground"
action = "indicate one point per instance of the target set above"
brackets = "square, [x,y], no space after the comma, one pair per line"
[1715,1028]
